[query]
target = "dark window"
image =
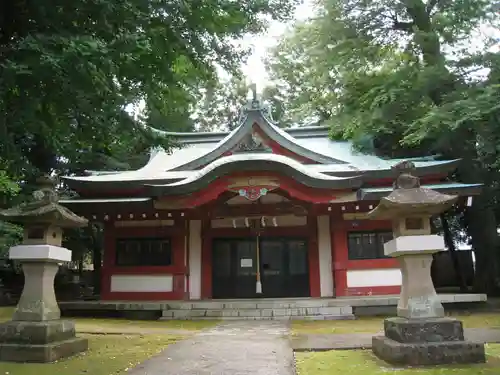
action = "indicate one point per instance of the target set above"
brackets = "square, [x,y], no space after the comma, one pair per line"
[143,252]
[367,245]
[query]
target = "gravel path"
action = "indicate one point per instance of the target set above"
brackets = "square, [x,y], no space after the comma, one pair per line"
[232,348]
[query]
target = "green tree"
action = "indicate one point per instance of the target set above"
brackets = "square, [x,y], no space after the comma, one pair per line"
[402,73]
[222,100]
[9,234]
[70,70]
[220,104]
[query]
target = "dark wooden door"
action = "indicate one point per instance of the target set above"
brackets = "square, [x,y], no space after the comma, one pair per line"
[283,267]
[234,268]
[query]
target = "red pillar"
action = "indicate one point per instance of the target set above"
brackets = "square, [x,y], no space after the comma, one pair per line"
[108,259]
[313,255]
[339,254]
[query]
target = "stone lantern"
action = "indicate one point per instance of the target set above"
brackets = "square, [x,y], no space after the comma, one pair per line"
[420,334]
[36,332]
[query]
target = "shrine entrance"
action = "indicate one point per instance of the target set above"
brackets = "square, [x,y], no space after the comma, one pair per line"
[281,262]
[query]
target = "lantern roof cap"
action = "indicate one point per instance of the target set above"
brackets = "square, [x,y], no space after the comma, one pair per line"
[408,198]
[43,209]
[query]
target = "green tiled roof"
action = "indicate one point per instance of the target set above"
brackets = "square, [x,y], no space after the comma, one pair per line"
[375,193]
[448,186]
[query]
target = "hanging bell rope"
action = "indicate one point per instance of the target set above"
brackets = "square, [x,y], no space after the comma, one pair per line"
[258,283]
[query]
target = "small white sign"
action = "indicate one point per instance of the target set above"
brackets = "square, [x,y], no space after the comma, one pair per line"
[246,263]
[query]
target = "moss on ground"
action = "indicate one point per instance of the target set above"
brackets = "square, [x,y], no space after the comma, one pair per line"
[107,355]
[355,362]
[132,342]
[85,324]
[6,313]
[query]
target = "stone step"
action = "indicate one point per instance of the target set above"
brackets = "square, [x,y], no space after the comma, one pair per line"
[315,317]
[344,312]
[278,304]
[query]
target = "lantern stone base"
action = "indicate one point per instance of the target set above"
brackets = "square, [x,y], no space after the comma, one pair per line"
[421,342]
[39,342]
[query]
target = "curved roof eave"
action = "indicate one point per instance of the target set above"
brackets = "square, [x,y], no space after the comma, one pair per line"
[83,183]
[272,131]
[423,168]
[255,162]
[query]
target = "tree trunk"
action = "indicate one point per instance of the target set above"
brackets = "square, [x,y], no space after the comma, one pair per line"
[450,244]
[96,258]
[483,230]
[80,266]
[482,227]
[481,218]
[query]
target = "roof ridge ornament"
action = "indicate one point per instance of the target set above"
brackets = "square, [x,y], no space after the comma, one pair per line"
[253,88]
[255,102]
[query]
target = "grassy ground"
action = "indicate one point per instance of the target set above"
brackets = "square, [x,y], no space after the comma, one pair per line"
[354,362]
[119,345]
[107,355]
[90,325]
[6,313]
[375,324]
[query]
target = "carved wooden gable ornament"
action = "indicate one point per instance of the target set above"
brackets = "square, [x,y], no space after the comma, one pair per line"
[252,142]
[253,188]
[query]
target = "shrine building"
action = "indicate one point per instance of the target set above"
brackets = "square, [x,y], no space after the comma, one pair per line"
[258,212]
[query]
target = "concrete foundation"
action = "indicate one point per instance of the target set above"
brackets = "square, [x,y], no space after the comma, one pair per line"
[427,353]
[421,342]
[39,342]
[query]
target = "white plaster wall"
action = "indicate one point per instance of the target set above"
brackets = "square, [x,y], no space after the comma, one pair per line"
[379,277]
[325,256]
[141,283]
[194,248]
